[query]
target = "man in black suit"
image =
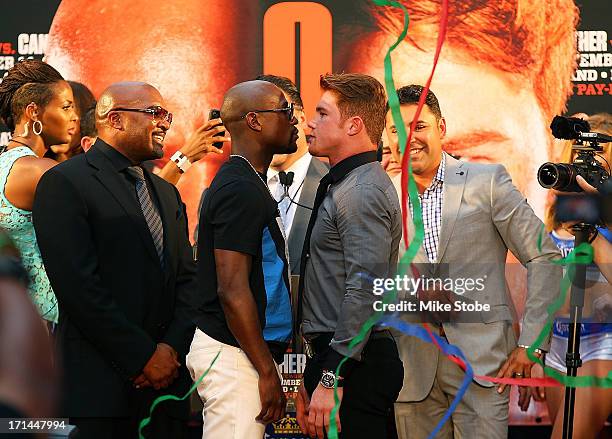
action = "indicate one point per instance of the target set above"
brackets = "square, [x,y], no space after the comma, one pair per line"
[114,241]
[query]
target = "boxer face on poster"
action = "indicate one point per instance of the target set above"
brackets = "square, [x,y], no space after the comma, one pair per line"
[499,82]
[491,117]
[503,73]
[192,51]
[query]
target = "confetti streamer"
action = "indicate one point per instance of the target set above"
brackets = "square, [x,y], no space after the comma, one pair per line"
[449,350]
[163,398]
[531,382]
[582,254]
[407,178]
[555,379]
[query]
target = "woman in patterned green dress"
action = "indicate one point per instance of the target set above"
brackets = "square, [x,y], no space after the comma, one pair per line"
[36,104]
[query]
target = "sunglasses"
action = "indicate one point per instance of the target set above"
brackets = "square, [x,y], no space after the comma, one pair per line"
[289,109]
[158,113]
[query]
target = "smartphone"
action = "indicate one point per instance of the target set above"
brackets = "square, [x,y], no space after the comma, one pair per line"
[216,114]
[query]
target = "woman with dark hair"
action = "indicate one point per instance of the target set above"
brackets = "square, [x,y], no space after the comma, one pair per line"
[84,101]
[36,104]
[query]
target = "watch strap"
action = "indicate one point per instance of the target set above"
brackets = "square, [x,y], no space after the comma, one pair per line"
[329,380]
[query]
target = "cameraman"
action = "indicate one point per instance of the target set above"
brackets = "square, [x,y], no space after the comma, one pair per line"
[593,404]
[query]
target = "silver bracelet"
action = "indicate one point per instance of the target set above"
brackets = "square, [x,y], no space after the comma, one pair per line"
[536,350]
[181,161]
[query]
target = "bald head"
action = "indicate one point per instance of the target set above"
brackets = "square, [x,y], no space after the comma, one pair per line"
[257,115]
[125,119]
[125,95]
[248,96]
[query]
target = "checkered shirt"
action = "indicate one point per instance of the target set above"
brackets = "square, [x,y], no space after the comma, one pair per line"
[431,206]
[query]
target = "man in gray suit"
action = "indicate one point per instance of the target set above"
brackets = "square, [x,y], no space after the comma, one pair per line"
[295,197]
[472,216]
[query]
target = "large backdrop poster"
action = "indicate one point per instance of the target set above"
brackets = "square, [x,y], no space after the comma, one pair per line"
[506,68]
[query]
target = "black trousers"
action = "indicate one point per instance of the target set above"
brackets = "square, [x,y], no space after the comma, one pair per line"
[370,390]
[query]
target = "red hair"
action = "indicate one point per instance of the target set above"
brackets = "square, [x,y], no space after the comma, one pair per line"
[534,39]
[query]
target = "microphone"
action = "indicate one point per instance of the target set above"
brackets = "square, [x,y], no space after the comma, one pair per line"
[286,180]
[460,173]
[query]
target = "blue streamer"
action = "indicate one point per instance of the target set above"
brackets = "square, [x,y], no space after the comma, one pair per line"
[448,349]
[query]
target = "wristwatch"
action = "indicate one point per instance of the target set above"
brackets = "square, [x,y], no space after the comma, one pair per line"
[329,379]
[181,161]
[537,351]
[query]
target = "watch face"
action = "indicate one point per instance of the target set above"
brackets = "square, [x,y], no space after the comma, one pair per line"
[328,379]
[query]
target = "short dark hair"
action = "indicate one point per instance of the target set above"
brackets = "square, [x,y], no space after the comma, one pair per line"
[27,81]
[88,123]
[359,95]
[410,94]
[286,85]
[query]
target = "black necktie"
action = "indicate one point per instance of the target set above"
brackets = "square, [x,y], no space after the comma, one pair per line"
[321,192]
[149,210]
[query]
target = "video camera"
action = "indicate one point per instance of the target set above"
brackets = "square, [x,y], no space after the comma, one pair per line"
[562,176]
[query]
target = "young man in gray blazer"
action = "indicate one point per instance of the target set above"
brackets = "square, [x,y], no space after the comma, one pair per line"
[352,237]
[472,216]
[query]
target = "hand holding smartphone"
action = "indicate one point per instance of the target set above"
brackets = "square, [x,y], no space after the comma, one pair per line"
[216,114]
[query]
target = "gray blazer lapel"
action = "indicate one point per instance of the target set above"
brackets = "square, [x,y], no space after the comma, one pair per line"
[316,170]
[454,183]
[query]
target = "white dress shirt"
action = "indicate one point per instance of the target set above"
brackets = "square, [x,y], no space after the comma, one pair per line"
[286,207]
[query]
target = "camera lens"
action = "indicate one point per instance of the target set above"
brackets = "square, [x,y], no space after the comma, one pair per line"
[548,175]
[557,176]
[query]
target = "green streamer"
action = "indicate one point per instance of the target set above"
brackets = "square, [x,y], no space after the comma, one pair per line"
[163,398]
[389,83]
[583,254]
[414,199]
[396,113]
